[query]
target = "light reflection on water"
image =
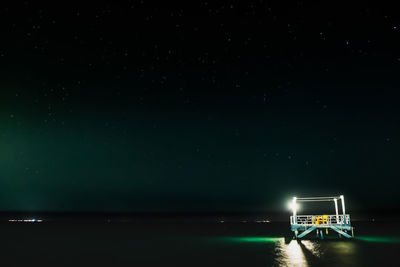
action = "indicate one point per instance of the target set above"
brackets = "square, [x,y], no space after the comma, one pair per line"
[339,252]
[290,254]
[312,252]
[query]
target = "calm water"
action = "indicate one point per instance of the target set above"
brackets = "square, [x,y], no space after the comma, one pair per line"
[191,244]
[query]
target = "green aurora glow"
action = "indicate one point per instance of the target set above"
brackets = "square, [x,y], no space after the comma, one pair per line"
[379,239]
[250,239]
[268,239]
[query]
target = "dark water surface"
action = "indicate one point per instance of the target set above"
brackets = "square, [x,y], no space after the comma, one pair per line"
[191,244]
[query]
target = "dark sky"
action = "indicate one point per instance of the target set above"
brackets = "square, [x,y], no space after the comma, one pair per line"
[197,106]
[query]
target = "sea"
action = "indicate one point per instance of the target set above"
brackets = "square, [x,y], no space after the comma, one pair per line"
[156,241]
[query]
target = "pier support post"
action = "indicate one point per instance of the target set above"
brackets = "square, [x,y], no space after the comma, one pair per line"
[294,208]
[337,211]
[343,208]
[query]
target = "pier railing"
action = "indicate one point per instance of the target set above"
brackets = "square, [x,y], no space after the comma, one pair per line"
[310,220]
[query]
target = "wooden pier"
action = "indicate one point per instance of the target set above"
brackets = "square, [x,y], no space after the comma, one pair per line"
[302,225]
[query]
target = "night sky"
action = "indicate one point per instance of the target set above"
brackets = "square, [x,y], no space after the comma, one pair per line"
[198,106]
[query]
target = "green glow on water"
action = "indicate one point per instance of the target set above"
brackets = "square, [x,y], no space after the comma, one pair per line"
[251,239]
[379,239]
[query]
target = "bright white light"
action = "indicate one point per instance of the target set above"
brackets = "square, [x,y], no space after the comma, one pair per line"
[291,205]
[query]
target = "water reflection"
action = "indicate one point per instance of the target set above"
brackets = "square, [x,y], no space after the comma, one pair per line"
[312,247]
[340,252]
[290,254]
[315,253]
